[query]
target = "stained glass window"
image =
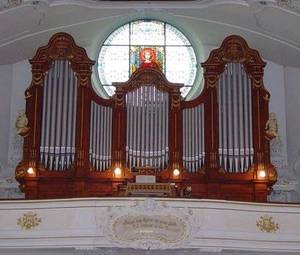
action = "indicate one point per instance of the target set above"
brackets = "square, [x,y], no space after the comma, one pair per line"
[119,55]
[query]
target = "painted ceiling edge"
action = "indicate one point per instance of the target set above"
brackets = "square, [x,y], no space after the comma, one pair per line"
[290,5]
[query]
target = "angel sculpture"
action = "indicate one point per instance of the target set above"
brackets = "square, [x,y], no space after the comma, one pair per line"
[272,126]
[22,124]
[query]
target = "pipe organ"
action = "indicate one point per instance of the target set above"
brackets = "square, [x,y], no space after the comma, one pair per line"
[214,146]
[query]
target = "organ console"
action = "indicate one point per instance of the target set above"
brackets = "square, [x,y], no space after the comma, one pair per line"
[79,144]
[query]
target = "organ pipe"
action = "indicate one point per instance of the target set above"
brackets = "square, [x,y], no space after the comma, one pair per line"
[235,119]
[57,147]
[147,121]
[193,138]
[100,137]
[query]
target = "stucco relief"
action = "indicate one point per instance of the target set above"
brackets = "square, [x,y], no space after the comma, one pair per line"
[8,185]
[285,189]
[15,147]
[291,4]
[15,152]
[148,225]
[287,4]
[277,148]
[6,4]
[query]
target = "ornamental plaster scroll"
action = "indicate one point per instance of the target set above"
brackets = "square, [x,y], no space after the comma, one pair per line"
[7,4]
[10,4]
[149,225]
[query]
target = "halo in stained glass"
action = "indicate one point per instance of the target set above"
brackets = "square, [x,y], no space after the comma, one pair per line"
[119,55]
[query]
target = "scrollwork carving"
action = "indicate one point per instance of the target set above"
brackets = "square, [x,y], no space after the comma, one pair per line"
[61,45]
[234,49]
[148,77]
[156,215]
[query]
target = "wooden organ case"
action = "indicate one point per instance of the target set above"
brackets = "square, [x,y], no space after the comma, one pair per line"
[216,142]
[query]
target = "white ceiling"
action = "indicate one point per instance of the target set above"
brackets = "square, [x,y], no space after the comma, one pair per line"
[271,26]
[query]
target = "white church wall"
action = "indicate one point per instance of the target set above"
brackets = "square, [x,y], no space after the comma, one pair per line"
[287,187]
[5,93]
[20,77]
[274,83]
[292,84]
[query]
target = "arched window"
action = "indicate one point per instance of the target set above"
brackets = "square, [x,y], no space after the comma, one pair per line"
[119,54]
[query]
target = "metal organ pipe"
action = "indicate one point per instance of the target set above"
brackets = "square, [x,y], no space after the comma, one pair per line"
[58,117]
[193,138]
[235,119]
[100,137]
[147,124]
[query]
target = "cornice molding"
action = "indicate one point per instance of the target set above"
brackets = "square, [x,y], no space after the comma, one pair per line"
[292,5]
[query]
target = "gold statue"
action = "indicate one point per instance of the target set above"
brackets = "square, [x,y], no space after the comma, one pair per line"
[22,124]
[272,126]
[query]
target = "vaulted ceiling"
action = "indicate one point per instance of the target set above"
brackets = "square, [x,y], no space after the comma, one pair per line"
[271,26]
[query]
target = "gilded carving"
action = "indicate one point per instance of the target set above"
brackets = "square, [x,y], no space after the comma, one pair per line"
[266,224]
[21,124]
[257,82]
[37,78]
[212,81]
[27,94]
[234,49]
[233,52]
[29,221]
[272,126]
[20,173]
[148,77]
[119,99]
[61,45]
[176,101]
[267,97]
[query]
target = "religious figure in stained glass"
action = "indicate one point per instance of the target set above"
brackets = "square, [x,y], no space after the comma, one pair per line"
[148,58]
[123,52]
